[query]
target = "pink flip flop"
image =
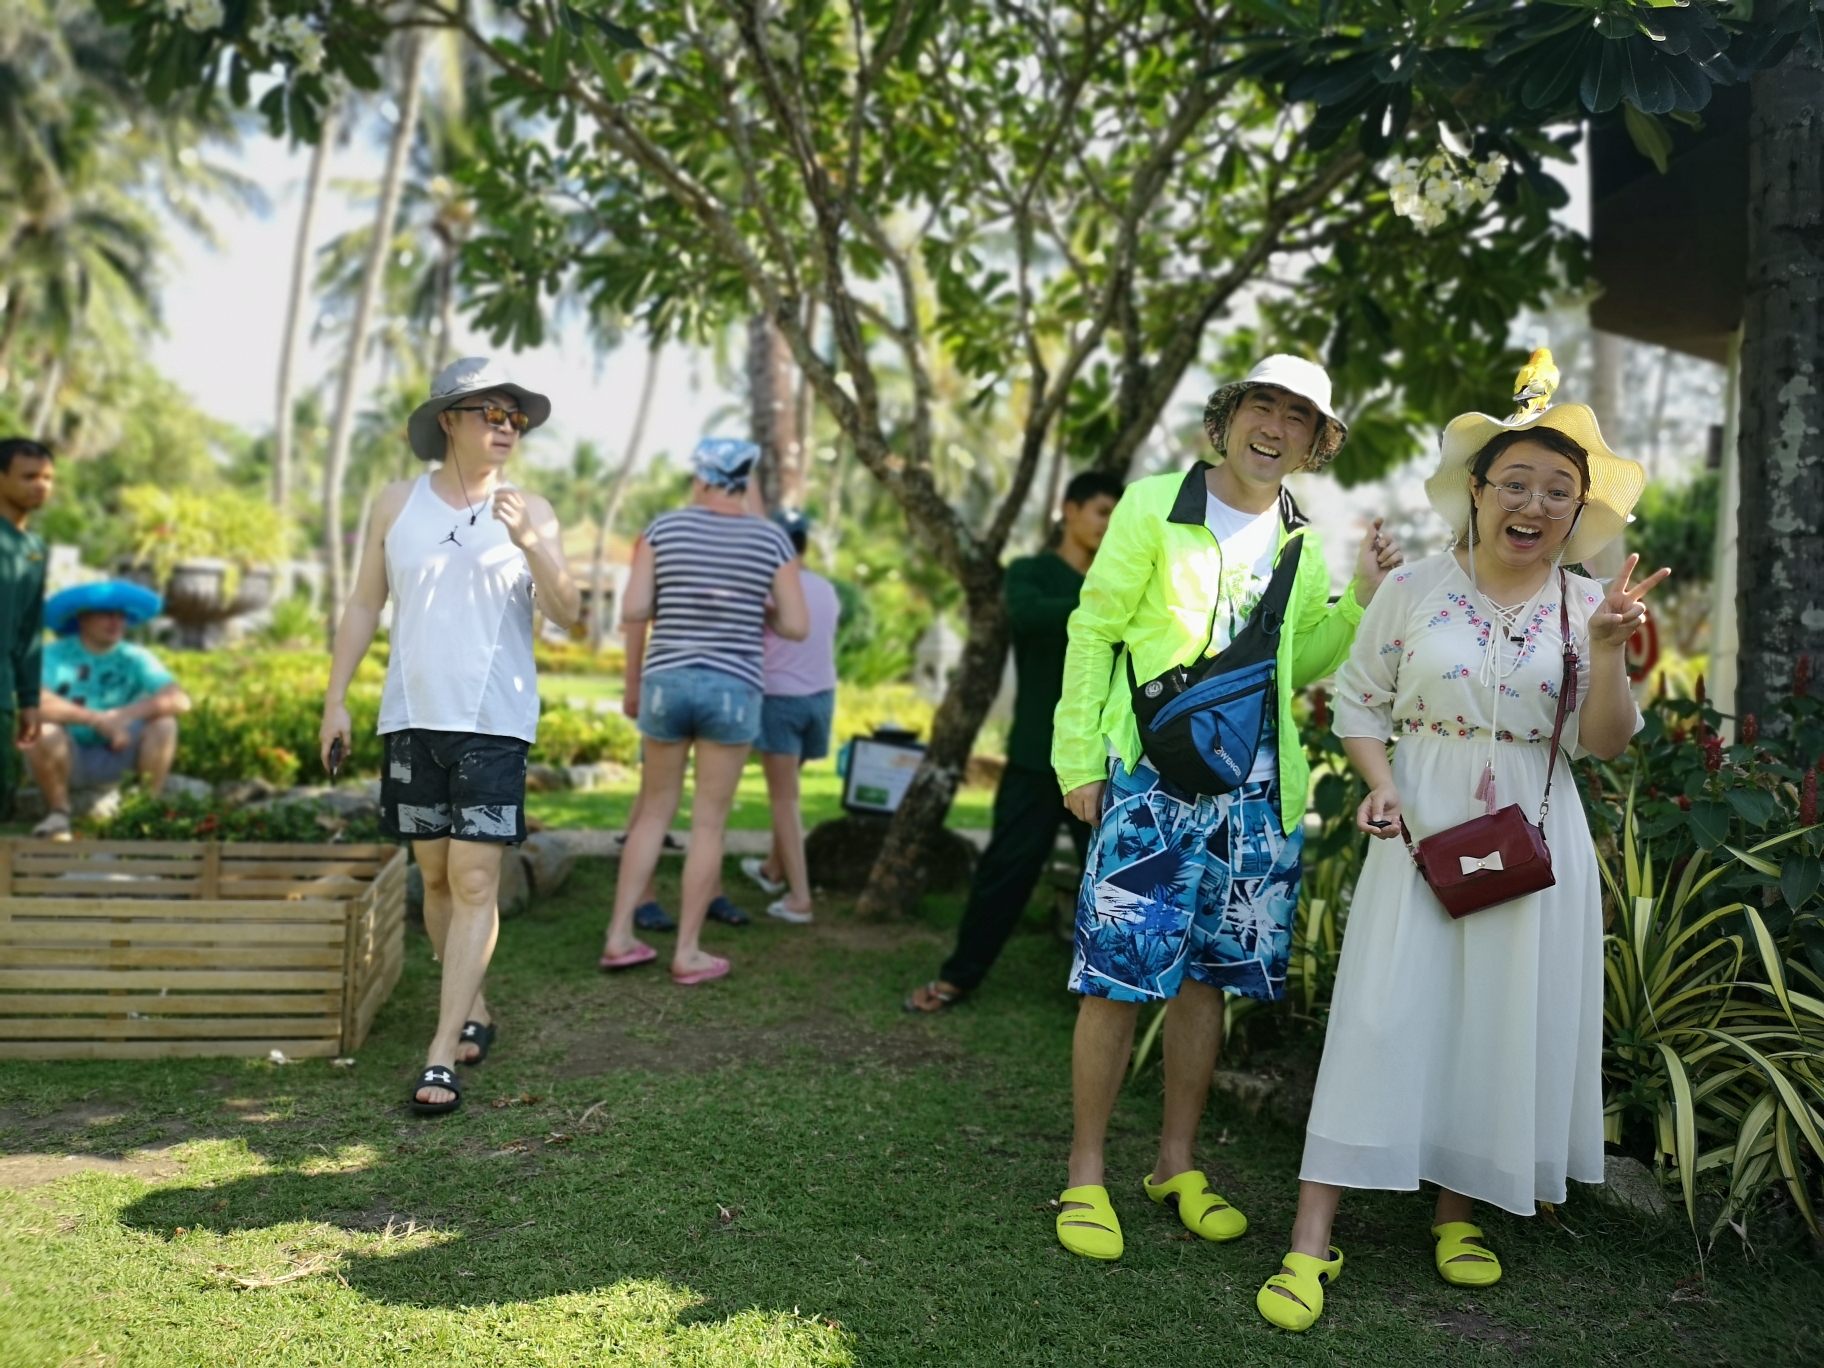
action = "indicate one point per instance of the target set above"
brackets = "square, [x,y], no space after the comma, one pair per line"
[640,954]
[718,968]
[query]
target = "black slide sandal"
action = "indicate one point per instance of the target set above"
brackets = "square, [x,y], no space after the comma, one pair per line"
[437,1076]
[481,1037]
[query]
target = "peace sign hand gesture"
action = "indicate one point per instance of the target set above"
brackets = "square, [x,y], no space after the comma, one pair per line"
[1621,611]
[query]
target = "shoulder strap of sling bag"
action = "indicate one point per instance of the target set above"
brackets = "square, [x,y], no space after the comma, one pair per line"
[1567,688]
[1271,610]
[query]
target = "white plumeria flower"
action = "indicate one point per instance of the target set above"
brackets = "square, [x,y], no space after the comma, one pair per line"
[200,16]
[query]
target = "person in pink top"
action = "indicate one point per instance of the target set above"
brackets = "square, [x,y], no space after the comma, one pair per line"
[795,715]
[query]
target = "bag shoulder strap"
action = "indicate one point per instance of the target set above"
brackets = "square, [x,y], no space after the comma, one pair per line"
[1567,687]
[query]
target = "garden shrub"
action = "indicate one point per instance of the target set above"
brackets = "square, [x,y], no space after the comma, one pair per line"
[257,714]
[575,658]
[144,816]
[581,736]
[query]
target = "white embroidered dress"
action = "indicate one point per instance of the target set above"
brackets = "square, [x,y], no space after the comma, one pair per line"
[1464,1053]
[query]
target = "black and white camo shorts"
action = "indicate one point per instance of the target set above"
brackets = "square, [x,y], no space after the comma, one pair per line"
[456,784]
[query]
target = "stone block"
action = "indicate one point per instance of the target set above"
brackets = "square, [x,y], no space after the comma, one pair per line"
[1629,1183]
[549,861]
[515,883]
[546,778]
[840,854]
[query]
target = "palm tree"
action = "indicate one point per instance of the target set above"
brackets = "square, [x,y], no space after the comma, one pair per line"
[404,130]
[82,159]
[285,419]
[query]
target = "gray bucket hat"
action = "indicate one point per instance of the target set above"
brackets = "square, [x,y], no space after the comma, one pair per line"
[456,382]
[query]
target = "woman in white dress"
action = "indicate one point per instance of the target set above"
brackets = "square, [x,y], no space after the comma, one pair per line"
[1467,1053]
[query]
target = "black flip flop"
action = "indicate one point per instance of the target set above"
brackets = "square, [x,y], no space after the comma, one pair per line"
[436,1077]
[479,1035]
[724,911]
[650,916]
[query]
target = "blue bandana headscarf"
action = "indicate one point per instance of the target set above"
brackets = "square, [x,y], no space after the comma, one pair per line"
[725,462]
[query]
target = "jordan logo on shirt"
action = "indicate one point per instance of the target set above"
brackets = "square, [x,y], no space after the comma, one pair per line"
[451,539]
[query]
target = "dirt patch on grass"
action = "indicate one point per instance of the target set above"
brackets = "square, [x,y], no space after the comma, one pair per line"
[20,1171]
[707,1048]
[71,1120]
[1471,1324]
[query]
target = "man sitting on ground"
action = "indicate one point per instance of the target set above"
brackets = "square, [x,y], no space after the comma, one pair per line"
[107,705]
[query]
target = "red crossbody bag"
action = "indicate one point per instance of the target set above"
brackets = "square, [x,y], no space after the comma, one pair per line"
[1502,856]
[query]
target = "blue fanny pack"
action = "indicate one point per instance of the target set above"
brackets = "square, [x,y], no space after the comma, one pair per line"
[1201,725]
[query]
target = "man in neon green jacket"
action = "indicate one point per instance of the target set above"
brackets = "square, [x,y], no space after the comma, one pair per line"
[1186,895]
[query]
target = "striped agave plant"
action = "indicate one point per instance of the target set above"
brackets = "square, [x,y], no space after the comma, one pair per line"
[1713,1028]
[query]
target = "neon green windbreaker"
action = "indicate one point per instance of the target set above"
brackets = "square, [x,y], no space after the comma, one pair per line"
[1151,589]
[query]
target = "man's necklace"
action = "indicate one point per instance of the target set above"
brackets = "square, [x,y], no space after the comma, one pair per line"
[473,511]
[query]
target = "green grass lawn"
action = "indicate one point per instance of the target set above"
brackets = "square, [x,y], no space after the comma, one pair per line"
[608,808]
[778,1169]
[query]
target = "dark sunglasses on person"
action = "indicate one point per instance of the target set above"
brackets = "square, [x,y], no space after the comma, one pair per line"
[496,416]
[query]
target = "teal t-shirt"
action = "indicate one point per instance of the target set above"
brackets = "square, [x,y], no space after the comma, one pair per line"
[124,675]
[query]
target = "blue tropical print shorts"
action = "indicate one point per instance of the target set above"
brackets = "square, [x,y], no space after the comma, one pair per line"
[1181,883]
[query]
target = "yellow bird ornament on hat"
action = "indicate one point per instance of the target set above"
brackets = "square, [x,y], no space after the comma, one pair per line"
[1535,384]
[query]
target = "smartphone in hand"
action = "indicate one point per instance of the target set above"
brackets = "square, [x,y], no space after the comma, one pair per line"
[335,758]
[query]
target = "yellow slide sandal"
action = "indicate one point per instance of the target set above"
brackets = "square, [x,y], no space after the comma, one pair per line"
[1092,1230]
[1303,1279]
[1202,1210]
[1461,1263]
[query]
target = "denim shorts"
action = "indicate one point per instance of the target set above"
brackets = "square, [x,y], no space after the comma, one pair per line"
[1180,883]
[695,703]
[797,724]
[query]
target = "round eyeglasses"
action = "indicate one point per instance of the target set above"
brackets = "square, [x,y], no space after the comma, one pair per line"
[1516,498]
[496,416]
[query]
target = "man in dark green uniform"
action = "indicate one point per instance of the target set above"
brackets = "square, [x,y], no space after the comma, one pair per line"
[1041,595]
[25,484]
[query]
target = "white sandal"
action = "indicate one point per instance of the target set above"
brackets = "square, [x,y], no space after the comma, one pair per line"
[54,827]
[755,869]
[788,914]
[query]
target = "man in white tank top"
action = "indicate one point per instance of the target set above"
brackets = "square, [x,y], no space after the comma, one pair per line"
[464,555]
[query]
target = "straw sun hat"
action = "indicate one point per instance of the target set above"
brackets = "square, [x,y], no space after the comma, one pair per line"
[1615,481]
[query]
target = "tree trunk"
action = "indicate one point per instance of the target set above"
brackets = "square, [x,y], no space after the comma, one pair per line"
[46,407]
[898,878]
[773,410]
[347,393]
[446,302]
[611,510]
[1780,596]
[284,427]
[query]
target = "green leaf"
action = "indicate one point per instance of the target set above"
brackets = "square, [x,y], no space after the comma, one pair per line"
[1649,137]
[1756,805]
[1771,961]
[1684,1136]
[1709,823]
[604,67]
[1756,863]
[1799,879]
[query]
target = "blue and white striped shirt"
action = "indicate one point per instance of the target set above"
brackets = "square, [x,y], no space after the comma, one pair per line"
[714,572]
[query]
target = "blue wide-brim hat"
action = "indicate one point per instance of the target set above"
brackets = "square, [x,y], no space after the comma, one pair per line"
[139,603]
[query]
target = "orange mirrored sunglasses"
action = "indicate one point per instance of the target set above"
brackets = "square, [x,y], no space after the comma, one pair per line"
[495,416]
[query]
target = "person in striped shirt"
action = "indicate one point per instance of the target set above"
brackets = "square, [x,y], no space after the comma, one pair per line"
[702,575]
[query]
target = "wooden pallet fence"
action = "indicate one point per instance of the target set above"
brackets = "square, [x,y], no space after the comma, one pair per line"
[167,949]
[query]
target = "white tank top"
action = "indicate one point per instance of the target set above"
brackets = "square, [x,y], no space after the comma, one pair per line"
[462,623]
